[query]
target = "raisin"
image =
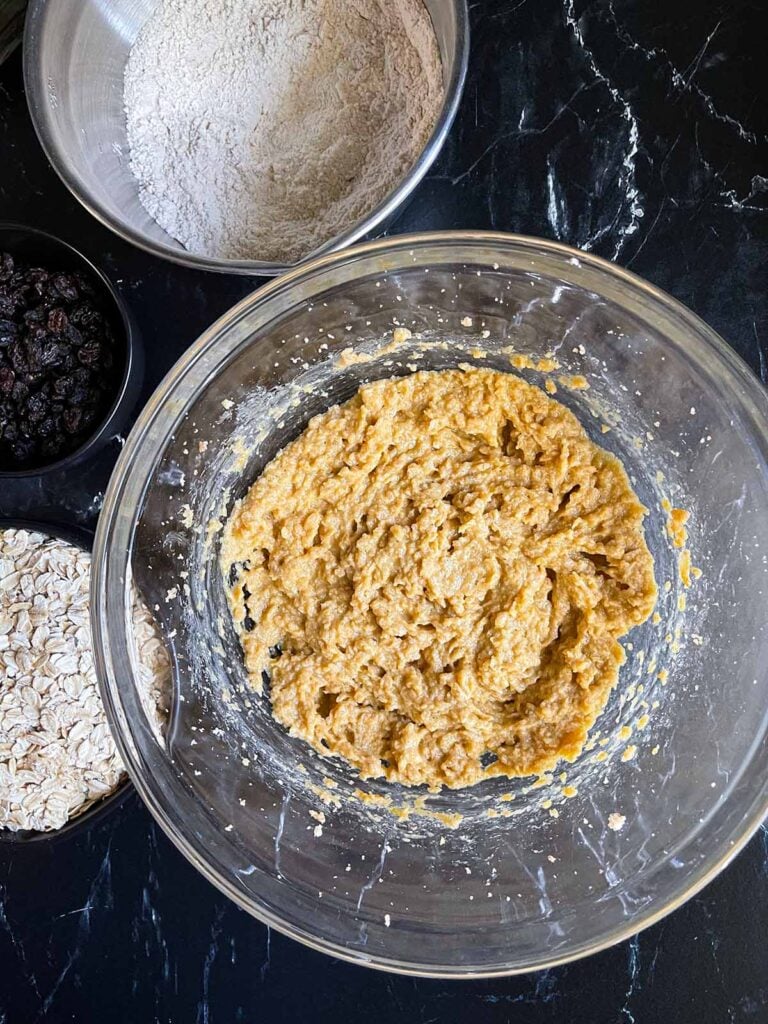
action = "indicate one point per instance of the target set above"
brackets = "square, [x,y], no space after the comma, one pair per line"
[72,419]
[66,287]
[62,387]
[74,337]
[57,320]
[78,393]
[57,375]
[37,406]
[87,318]
[18,354]
[20,392]
[52,354]
[90,354]
[8,331]
[47,427]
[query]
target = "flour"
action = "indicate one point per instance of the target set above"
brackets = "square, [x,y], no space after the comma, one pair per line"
[259,129]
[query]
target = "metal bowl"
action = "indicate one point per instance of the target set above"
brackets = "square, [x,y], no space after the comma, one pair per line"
[74,59]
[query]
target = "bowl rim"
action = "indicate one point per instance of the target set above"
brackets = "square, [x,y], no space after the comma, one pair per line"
[81,537]
[37,102]
[754,393]
[95,439]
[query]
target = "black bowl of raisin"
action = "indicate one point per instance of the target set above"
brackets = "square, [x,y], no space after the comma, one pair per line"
[69,358]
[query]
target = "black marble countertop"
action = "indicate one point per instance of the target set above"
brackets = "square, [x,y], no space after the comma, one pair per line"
[637,129]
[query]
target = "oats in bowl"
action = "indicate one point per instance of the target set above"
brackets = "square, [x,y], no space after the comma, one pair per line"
[57,755]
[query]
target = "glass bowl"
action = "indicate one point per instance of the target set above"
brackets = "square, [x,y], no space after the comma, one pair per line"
[505,876]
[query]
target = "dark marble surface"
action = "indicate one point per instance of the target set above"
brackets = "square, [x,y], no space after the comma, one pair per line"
[637,129]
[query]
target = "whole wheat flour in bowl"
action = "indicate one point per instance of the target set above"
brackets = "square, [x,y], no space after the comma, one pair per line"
[260,129]
[57,755]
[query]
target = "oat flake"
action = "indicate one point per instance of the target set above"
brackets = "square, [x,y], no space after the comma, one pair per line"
[57,755]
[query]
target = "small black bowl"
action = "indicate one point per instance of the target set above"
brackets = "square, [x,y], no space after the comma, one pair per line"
[81,537]
[42,249]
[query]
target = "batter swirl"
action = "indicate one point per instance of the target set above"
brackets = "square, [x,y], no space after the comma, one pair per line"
[436,574]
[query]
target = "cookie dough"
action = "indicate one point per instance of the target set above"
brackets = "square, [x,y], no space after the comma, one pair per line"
[434,578]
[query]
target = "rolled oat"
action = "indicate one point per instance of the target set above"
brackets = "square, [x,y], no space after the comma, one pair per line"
[57,755]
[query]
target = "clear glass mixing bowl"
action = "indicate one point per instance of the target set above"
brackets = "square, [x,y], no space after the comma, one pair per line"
[532,874]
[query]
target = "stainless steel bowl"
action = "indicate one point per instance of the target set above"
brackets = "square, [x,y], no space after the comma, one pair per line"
[74,59]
